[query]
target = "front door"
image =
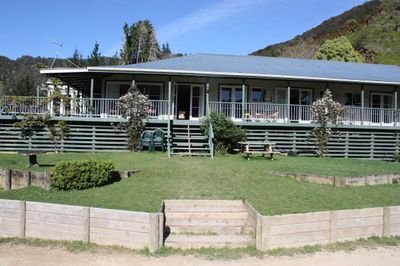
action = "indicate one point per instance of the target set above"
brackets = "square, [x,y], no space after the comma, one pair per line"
[189,101]
[382,105]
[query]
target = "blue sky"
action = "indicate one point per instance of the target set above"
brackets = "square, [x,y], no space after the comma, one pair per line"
[219,26]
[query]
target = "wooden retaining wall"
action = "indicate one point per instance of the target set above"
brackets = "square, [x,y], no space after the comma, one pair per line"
[64,222]
[297,230]
[12,218]
[343,181]
[139,229]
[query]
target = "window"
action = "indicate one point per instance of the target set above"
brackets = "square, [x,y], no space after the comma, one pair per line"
[352,99]
[257,95]
[230,94]
[153,91]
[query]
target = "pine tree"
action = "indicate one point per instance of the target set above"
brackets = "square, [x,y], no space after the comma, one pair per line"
[77,58]
[140,43]
[165,51]
[95,58]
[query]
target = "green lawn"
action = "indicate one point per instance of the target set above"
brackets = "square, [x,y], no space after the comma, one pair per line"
[225,177]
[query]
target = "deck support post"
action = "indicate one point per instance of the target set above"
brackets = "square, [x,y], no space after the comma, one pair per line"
[243,98]
[288,103]
[362,104]
[207,98]
[395,112]
[91,95]
[169,117]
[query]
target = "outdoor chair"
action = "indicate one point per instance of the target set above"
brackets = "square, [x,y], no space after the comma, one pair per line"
[158,138]
[146,140]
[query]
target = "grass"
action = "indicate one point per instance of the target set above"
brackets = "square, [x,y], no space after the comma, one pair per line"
[225,177]
[209,253]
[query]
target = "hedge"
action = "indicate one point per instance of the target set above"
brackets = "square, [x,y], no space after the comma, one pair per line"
[83,174]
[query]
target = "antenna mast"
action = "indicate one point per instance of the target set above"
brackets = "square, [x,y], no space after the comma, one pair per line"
[58,52]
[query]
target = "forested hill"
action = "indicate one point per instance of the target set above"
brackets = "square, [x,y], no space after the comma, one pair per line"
[22,74]
[373,28]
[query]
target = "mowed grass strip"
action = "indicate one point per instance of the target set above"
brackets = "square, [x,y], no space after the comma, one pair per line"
[225,177]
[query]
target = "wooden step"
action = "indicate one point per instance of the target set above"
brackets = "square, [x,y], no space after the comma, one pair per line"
[209,241]
[207,222]
[204,208]
[219,230]
[209,215]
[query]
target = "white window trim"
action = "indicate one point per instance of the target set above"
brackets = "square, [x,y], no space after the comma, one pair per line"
[383,94]
[233,88]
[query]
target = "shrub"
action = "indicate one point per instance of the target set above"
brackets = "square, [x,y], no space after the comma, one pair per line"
[226,133]
[135,107]
[81,174]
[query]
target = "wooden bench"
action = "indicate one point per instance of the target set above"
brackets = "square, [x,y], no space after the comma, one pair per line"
[255,147]
[263,153]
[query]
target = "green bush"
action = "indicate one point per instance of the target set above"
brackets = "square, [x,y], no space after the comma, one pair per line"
[226,133]
[70,175]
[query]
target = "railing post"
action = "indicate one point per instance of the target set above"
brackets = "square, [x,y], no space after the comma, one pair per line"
[362,104]
[243,98]
[169,117]
[91,95]
[288,103]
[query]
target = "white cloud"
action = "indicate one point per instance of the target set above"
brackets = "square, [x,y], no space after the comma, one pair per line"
[204,16]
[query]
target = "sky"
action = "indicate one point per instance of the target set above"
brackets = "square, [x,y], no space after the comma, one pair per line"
[29,27]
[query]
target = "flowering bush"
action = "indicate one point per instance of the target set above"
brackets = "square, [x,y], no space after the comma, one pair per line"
[325,112]
[135,107]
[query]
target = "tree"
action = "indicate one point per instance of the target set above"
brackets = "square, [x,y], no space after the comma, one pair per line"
[339,49]
[325,112]
[77,58]
[114,60]
[25,86]
[95,58]
[135,108]
[57,132]
[165,51]
[140,43]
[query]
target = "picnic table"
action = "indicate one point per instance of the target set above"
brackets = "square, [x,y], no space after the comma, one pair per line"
[32,156]
[258,147]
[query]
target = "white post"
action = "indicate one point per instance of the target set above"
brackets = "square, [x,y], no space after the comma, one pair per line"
[169,117]
[91,95]
[243,98]
[288,103]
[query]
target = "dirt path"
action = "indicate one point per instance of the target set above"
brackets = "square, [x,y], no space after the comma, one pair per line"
[27,255]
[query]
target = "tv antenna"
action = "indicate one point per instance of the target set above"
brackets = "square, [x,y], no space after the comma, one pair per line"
[59,45]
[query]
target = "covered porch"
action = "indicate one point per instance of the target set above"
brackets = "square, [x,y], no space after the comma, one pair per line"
[191,98]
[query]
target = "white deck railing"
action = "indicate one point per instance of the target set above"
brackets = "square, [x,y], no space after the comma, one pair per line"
[75,107]
[252,112]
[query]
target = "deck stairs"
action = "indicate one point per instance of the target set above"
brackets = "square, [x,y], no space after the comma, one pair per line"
[208,224]
[189,140]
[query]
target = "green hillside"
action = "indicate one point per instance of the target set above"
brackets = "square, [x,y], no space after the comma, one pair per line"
[373,28]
